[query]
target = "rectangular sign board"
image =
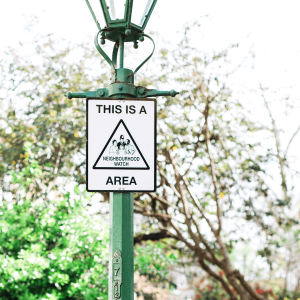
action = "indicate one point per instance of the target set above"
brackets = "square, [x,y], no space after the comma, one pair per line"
[121,145]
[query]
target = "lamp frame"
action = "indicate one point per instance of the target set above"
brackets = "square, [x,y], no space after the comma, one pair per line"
[126,21]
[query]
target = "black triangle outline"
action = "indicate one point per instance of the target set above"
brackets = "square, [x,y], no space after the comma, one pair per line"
[121,121]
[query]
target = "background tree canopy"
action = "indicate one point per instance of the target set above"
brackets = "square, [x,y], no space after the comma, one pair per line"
[213,184]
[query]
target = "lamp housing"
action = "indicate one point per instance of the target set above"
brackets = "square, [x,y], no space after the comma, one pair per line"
[127,16]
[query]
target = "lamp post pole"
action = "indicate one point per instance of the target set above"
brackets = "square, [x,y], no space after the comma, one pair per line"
[121,265]
[120,30]
[121,242]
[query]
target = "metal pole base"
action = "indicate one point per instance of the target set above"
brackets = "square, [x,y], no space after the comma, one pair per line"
[121,267]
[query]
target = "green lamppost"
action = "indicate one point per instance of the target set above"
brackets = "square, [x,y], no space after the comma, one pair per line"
[125,22]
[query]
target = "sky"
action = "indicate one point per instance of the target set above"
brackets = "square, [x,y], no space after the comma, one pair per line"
[268,29]
[271,28]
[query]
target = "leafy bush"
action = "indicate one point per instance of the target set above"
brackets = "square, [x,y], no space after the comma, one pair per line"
[52,250]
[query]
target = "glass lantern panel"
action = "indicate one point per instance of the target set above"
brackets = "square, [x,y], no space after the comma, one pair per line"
[140,11]
[98,12]
[116,9]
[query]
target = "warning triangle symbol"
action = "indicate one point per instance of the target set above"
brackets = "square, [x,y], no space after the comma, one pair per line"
[121,152]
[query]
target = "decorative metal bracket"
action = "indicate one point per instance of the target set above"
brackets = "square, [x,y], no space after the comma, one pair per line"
[113,62]
[143,34]
[117,274]
[122,80]
[101,51]
[115,54]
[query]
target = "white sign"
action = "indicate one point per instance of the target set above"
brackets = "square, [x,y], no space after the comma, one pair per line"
[121,145]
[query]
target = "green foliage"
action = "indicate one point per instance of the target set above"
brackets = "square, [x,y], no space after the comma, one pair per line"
[152,259]
[51,249]
[34,110]
[282,295]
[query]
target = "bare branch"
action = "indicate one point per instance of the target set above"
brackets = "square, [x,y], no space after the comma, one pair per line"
[215,260]
[246,285]
[291,140]
[152,195]
[152,236]
[212,165]
[149,214]
[277,141]
[178,179]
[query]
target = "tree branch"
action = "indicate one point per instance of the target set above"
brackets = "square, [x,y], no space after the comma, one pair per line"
[212,165]
[152,236]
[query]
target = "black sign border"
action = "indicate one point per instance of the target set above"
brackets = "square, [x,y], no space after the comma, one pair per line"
[136,146]
[155,144]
